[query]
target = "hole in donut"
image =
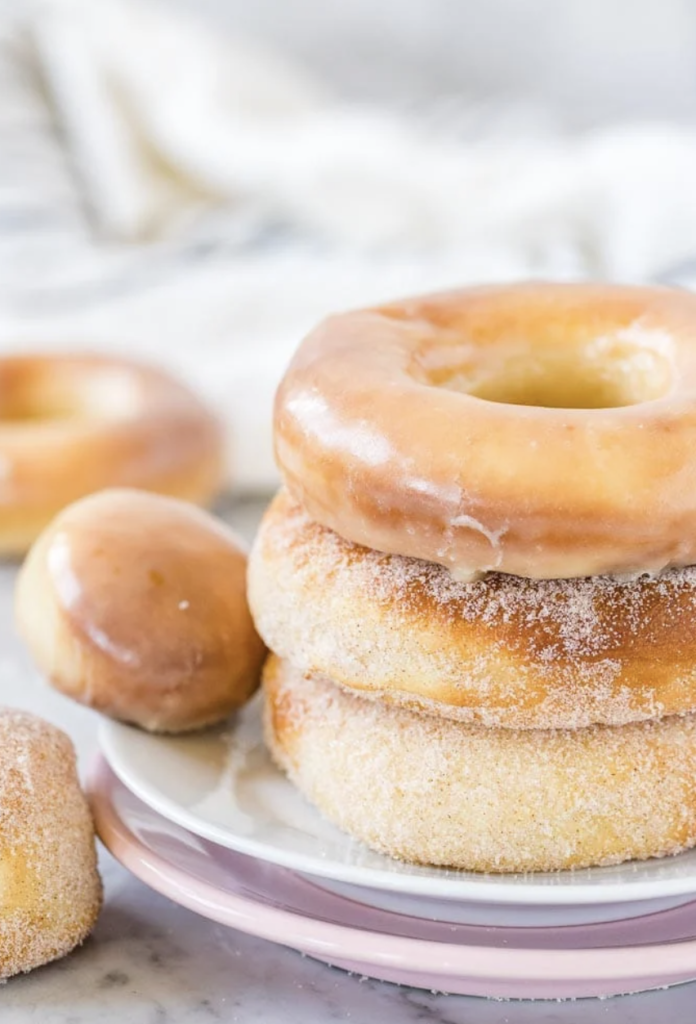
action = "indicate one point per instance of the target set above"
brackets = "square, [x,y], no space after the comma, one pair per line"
[561,383]
[42,392]
[35,397]
[15,412]
[604,373]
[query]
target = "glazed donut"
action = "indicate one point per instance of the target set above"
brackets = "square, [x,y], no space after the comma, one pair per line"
[71,425]
[135,604]
[51,890]
[502,651]
[433,791]
[542,430]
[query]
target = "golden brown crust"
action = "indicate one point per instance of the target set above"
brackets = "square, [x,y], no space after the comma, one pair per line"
[72,425]
[401,428]
[135,604]
[51,890]
[503,651]
[433,791]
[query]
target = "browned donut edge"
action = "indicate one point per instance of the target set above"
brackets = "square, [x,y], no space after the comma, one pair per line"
[502,651]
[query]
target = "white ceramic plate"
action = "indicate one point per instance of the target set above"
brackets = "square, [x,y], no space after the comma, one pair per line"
[276,904]
[222,785]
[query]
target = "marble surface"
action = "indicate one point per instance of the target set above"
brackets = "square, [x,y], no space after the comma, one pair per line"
[152,962]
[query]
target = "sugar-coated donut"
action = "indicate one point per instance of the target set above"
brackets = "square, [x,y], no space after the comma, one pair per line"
[429,790]
[135,604]
[49,885]
[543,430]
[71,425]
[502,651]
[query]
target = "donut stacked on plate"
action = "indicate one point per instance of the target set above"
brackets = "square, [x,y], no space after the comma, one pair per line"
[476,581]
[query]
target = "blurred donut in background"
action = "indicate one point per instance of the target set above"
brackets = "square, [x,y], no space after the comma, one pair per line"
[72,425]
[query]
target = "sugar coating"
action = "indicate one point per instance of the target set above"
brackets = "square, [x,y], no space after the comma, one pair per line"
[431,790]
[501,650]
[49,885]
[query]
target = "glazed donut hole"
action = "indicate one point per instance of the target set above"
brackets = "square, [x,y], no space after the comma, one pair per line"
[135,604]
[606,367]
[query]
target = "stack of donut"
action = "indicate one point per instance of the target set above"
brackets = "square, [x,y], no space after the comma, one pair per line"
[476,581]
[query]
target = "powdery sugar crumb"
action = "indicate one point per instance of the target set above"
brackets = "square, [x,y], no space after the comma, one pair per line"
[404,629]
[424,789]
[51,889]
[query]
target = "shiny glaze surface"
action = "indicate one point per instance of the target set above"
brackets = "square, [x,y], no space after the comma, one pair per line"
[428,428]
[135,604]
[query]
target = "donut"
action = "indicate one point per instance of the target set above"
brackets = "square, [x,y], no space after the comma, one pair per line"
[539,430]
[135,604]
[71,425]
[51,890]
[432,791]
[502,651]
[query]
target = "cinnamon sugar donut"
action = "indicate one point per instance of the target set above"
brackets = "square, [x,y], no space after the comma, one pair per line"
[71,425]
[135,604]
[51,891]
[433,791]
[501,651]
[543,430]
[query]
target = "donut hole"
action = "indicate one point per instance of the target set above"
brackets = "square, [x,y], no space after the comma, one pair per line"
[603,374]
[559,382]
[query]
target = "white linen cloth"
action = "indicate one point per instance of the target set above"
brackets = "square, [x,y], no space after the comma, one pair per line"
[170,191]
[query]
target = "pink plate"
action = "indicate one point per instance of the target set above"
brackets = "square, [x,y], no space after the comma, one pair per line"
[274,903]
